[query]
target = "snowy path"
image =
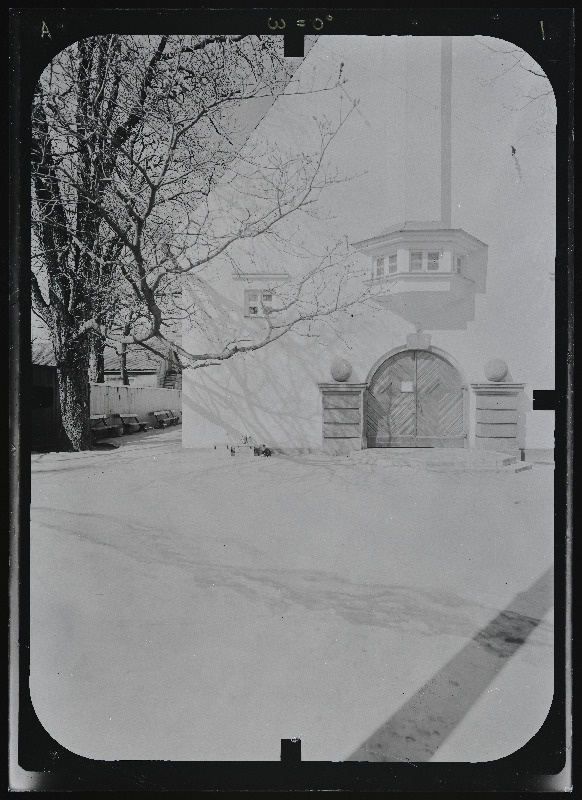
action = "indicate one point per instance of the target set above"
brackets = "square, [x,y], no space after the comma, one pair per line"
[188,606]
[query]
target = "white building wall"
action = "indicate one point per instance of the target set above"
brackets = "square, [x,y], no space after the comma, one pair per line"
[272,394]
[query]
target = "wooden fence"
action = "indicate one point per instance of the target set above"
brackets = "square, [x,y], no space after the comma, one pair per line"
[46,430]
[141,400]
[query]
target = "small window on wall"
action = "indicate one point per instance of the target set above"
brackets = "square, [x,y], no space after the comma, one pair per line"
[415,262]
[257,303]
[433,261]
[459,261]
[392,264]
[379,267]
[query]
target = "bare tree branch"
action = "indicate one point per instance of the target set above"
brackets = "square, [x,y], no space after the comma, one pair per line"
[142,180]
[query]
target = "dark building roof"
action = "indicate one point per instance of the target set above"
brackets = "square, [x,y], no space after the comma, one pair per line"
[138,359]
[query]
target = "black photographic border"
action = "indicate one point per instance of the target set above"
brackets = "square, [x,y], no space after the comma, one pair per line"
[51,767]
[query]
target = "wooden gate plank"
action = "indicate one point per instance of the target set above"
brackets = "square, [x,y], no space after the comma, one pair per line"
[391,412]
[432,412]
[439,397]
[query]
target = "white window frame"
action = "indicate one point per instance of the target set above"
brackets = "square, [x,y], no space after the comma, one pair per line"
[259,303]
[416,253]
[392,263]
[380,263]
[430,261]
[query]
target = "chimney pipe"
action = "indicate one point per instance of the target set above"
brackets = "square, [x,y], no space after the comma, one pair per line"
[446,80]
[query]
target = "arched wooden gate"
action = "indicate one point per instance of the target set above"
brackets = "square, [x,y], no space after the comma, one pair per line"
[415,399]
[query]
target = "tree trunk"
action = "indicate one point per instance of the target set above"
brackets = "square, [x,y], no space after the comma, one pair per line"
[101,364]
[75,394]
[97,360]
[123,355]
[123,365]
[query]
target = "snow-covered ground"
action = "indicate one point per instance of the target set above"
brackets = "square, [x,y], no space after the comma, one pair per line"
[189,606]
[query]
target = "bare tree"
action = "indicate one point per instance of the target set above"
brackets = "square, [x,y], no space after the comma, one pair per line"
[172,242]
[73,268]
[533,91]
[133,138]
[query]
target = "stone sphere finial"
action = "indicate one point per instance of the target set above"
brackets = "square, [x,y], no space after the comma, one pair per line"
[496,370]
[340,369]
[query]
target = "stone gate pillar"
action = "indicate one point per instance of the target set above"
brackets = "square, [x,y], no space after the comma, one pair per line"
[499,416]
[343,411]
[343,417]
